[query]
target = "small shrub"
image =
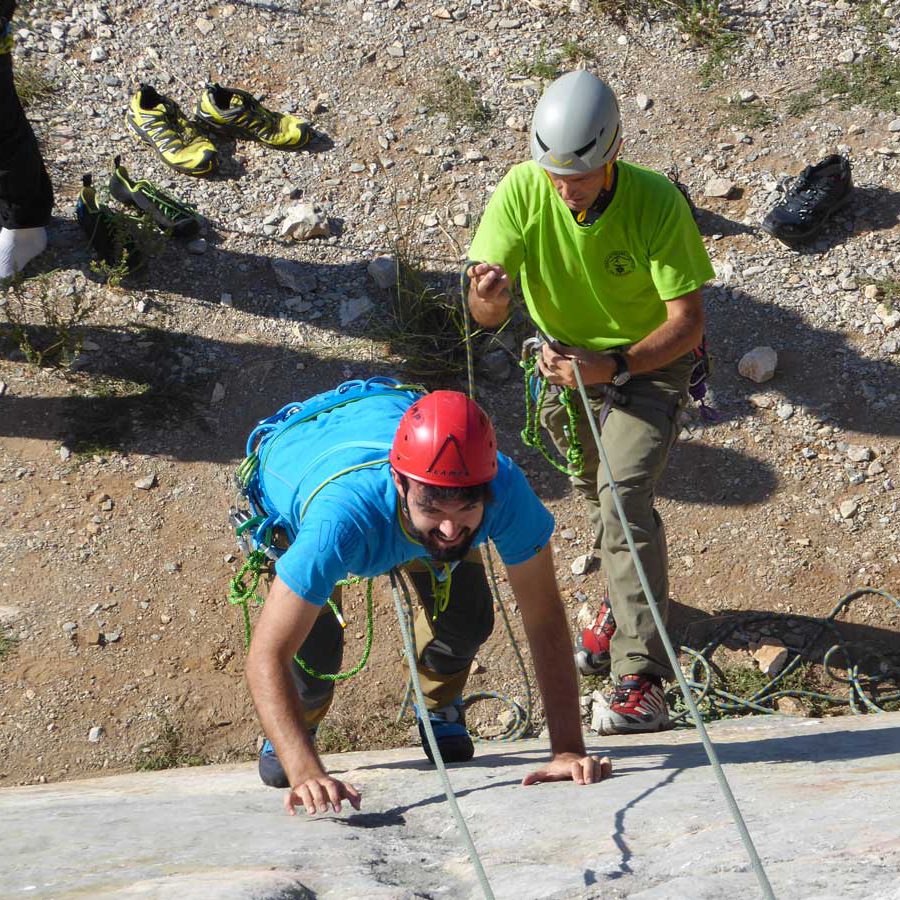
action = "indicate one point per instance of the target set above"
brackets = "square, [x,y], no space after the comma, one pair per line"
[7,644]
[873,82]
[166,752]
[457,98]
[32,84]
[800,103]
[44,318]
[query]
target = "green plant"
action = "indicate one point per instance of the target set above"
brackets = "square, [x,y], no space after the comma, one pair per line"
[7,644]
[544,66]
[138,232]
[889,292]
[747,115]
[44,317]
[573,52]
[32,84]
[871,16]
[873,81]
[457,98]
[166,752]
[800,103]
[426,322]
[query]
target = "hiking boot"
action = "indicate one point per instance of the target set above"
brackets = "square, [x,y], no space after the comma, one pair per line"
[449,726]
[819,191]
[637,704]
[238,114]
[592,652]
[158,121]
[169,213]
[107,233]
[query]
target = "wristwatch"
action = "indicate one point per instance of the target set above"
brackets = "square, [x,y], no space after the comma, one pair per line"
[622,376]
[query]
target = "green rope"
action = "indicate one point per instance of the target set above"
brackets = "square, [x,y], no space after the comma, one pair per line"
[241,593]
[370,631]
[865,692]
[531,433]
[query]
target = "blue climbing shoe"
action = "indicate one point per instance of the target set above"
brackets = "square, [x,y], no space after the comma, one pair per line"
[449,726]
[270,770]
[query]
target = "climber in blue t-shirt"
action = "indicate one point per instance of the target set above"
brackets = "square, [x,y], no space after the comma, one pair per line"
[398,479]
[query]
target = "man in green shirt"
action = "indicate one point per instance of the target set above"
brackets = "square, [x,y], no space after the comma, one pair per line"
[611,266]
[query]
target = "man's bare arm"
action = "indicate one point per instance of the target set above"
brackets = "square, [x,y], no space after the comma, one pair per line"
[534,585]
[680,333]
[283,626]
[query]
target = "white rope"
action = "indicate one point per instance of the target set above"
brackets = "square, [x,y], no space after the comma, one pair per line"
[405,619]
[755,861]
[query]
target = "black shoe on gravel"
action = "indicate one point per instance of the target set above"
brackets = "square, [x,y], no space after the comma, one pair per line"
[818,192]
[170,214]
[107,235]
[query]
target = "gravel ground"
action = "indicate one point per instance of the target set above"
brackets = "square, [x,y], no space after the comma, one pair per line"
[115,473]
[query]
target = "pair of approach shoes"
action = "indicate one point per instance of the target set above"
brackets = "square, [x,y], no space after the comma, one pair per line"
[158,121]
[109,233]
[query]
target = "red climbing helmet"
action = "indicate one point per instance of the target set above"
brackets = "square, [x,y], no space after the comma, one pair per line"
[445,439]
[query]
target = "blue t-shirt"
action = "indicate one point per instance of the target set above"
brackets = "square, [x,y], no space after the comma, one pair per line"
[351,523]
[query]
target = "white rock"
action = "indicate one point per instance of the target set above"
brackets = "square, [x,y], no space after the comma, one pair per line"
[719,187]
[383,271]
[204,25]
[354,307]
[95,734]
[746,95]
[226,299]
[846,56]
[894,126]
[856,453]
[145,483]
[770,656]
[848,509]
[643,102]
[585,616]
[65,454]
[98,54]
[516,123]
[784,411]
[305,221]
[759,364]
[889,317]
[580,564]
[461,220]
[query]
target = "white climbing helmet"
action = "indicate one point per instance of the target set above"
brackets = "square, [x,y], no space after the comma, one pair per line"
[576,126]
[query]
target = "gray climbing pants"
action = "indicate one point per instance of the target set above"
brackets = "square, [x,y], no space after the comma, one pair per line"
[637,437]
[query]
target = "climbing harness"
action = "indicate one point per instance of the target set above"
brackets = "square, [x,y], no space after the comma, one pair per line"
[749,846]
[256,530]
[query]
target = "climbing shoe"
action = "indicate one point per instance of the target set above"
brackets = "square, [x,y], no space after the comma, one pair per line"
[169,213]
[238,114]
[449,726]
[592,653]
[107,233]
[158,121]
[818,192]
[270,771]
[637,704]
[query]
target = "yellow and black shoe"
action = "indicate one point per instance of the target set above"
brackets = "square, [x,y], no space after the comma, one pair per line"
[238,114]
[170,214]
[158,121]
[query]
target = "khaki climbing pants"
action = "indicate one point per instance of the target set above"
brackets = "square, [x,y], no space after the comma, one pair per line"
[637,437]
[445,645]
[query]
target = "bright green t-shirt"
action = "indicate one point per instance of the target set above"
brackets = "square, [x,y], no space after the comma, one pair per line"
[605,284]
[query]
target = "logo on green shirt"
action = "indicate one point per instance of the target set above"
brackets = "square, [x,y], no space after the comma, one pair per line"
[619,262]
